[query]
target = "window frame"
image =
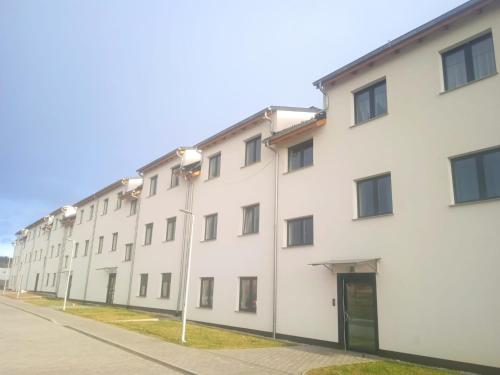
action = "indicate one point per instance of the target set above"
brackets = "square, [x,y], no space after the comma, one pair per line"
[469,62]
[133,207]
[148,240]
[169,283]
[301,147]
[153,185]
[119,198]
[114,241]
[171,221]
[174,178]
[100,244]
[128,252]
[143,284]
[214,237]
[478,157]
[296,219]
[370,89]
[105,206]
[256,228]
[258,140]
[86,249]
[375,196]
[253,280]
[216,156]
[210,303]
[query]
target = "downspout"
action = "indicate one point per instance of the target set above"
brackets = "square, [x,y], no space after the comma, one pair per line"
[188,206]
[134,246]
[275,231]
[91,252]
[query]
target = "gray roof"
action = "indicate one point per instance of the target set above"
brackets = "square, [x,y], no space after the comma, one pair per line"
[414,34]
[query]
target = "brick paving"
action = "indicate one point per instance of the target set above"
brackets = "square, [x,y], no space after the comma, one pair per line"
[284,360]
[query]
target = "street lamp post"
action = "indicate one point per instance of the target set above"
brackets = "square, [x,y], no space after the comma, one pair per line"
[184,309]
[69,272]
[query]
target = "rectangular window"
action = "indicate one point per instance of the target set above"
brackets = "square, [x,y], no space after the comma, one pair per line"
[252,150]
[52,251]
[143,289]
[100,245]
[114,241]
[300,156]
[374,196]
[128,252]
[119,198]
[165,285]
[206,292]
[91,212]
[174,177]
[105,204]
[248,294]
[171,229]
[469,62]
[75,253]
[81,217]
[66,261]
[300,231]
[214,166]
[211,227]
[476,176]
[47,279]
[133,207]
[58,250]
[153,181]
[86,249]
[54,279]
[251,219]
[148,237]
[370,102]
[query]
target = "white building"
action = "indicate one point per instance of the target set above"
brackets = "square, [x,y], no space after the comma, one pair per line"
[370,225]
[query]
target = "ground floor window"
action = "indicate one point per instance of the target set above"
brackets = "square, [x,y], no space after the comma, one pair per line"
[165,285]
[143,289]
[206,292]
[248,294]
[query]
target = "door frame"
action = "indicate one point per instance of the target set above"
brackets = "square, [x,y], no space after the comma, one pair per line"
[341,278]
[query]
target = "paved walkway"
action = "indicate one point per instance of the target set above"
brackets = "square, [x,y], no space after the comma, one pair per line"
[179,359]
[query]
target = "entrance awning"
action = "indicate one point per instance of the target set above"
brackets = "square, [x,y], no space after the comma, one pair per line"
[349,265]
[107,269]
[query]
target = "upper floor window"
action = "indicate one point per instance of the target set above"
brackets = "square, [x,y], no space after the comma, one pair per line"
[252,150]
[119,198]
[75,253]
[300,231]
[152,185]
[251,219]
[100,245]
[81,216]
[148,236]
[114,241]
[128,252]
[214,166]
[211,227]
[206,292]
[165,285]
[476,176]
[86,249]
[300,156]
[133,207]
[170,229]
[91,212]
[469,62]
[105,206]
[370,102]
[174,177]
[374,196]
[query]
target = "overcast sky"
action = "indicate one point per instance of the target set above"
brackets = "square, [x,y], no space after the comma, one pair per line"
[91,90]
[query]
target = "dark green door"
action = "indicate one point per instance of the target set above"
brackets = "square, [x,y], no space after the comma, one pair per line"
[358,309]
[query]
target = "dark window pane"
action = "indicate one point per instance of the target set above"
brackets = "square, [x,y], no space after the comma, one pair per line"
[362,106]
[455,69]
[491,164]
[384,195]
[466,180]
[308,231]
[252,153]
[380,99]
[366,203]
[483,59]
[295,159]
[308,155]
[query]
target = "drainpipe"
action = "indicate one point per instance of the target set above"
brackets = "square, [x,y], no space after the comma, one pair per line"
[275,230]
[134,246]
[96,213]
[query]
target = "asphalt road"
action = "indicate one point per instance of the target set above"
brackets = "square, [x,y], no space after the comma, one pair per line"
[31,345]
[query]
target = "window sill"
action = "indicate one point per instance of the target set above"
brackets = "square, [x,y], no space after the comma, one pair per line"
[372,217]
[211,178]
[297,246]
[467,84]
[369,120]
[247,234]
[249,165]
[474,202]
[205,307]
[167,241]
[141,296]
[209,240]
[298,169]
[126,261]
[245,312]
[172,187]
[163,298]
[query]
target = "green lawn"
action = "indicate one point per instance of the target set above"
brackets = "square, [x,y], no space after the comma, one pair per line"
[379,368]
[168,329]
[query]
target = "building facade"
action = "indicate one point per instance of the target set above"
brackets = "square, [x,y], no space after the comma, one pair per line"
[369,225]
